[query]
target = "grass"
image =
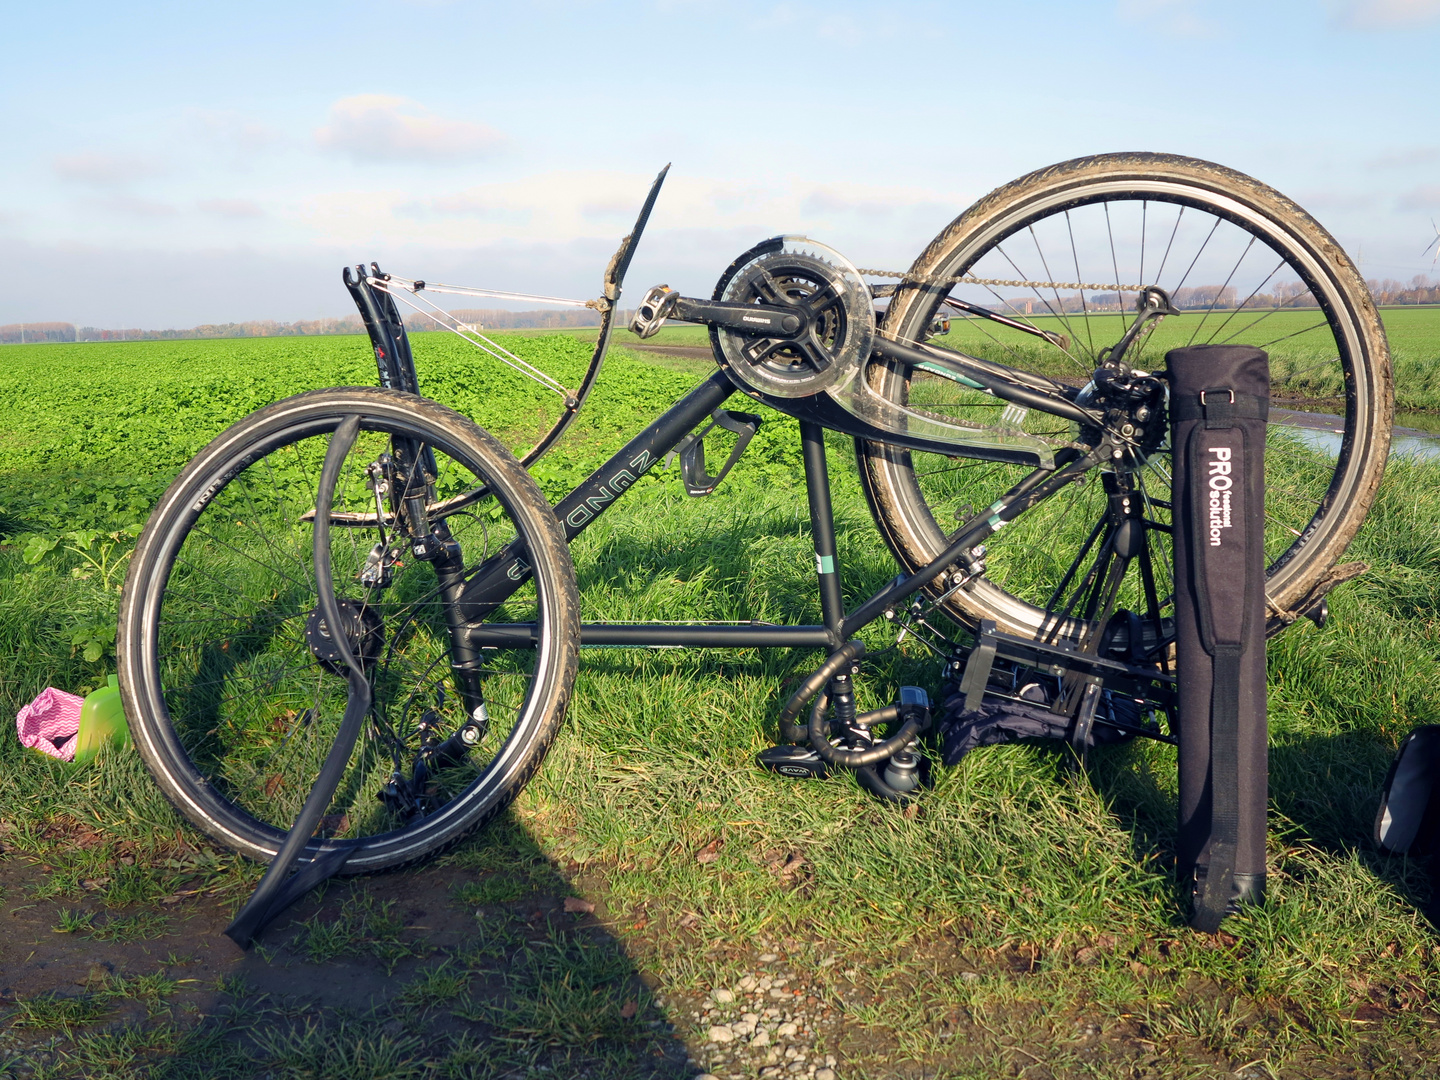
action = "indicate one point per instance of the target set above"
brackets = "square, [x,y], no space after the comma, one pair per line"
[363,926]
[1056,891]
[136,927]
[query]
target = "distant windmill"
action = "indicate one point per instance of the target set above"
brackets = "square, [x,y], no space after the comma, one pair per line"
[1433,244]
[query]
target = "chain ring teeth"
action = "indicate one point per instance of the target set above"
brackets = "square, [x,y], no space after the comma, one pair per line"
[787,372]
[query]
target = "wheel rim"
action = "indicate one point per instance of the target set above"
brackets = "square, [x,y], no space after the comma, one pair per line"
[1210,238]
[246,709]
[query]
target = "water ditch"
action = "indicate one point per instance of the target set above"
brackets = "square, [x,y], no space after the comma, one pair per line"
[1414,434]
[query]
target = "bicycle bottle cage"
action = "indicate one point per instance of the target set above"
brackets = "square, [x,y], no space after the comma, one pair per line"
[691,450]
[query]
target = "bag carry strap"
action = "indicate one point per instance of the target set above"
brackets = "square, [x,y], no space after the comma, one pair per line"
[1220,407]
[1214,898]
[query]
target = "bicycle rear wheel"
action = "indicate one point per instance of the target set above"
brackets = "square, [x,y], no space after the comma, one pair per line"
[233,696]
[1242,263]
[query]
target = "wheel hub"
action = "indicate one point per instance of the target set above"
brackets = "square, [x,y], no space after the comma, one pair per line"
[363,630]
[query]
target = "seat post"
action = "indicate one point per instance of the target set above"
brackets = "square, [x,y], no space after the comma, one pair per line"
[822,525]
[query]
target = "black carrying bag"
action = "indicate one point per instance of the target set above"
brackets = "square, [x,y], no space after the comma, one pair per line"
[1219,399]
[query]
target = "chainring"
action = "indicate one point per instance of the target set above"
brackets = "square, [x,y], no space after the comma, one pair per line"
[818,283]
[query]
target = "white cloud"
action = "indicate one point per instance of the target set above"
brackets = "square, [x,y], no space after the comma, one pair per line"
[1421,198]
[1405,159]
[1385,14]
[495,204]
[126,205]
[372,127]
[231,208]
[103,170]
[615,208]
[874,225]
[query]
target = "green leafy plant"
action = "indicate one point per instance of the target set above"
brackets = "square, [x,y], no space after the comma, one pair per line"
[94,641]
[36,548]
[99,555]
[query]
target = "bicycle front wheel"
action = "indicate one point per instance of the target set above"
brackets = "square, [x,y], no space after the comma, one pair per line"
[233,695]
[1061,254]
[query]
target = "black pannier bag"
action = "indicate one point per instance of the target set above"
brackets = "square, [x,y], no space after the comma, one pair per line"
[1408,821]
[1219,399]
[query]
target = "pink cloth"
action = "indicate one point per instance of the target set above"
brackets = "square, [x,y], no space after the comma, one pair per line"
[49,723]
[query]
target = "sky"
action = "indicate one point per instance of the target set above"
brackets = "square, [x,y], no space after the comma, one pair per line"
[168,165]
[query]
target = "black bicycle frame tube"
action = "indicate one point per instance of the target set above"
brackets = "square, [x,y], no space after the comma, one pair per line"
[1039,485]
[464,656]
[500,575]
[659,635]
[822,528]
[588,501]
[1003,386]
[751,635]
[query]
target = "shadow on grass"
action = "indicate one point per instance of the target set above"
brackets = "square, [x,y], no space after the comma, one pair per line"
[1324,794]
[485,963]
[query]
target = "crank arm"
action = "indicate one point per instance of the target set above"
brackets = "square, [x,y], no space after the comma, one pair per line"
[760,320]
[663,303]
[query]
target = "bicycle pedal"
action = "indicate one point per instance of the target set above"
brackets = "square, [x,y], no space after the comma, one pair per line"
[797,762]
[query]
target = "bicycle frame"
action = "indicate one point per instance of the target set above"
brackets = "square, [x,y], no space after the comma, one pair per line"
[472,595]
[503,572]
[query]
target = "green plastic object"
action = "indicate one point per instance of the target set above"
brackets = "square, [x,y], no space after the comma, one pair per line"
[102,720]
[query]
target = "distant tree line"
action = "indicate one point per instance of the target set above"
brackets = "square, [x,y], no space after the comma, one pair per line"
[1203,297]
[36,332]
[1293,294]
[28,333]
[1421,290]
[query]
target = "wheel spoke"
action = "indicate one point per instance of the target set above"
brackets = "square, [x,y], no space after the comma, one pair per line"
[248,702]
[1224,246]
[1084,309]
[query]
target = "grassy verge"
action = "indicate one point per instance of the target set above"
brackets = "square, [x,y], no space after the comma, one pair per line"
[1022,920]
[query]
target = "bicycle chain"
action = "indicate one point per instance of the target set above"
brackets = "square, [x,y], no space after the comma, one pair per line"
[966,279]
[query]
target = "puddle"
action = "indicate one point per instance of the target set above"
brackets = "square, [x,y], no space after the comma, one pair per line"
[1322,431]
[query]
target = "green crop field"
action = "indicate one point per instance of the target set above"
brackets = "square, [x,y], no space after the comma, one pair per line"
[1413,332]
[1023,920]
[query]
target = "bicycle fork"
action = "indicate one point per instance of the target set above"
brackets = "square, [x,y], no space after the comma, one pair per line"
[435,544]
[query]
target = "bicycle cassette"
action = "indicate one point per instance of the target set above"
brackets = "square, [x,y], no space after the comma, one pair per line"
[819,284]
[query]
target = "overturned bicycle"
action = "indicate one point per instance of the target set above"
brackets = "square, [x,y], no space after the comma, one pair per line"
[351,626]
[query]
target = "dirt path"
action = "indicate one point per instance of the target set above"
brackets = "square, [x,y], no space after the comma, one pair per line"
[407,964]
